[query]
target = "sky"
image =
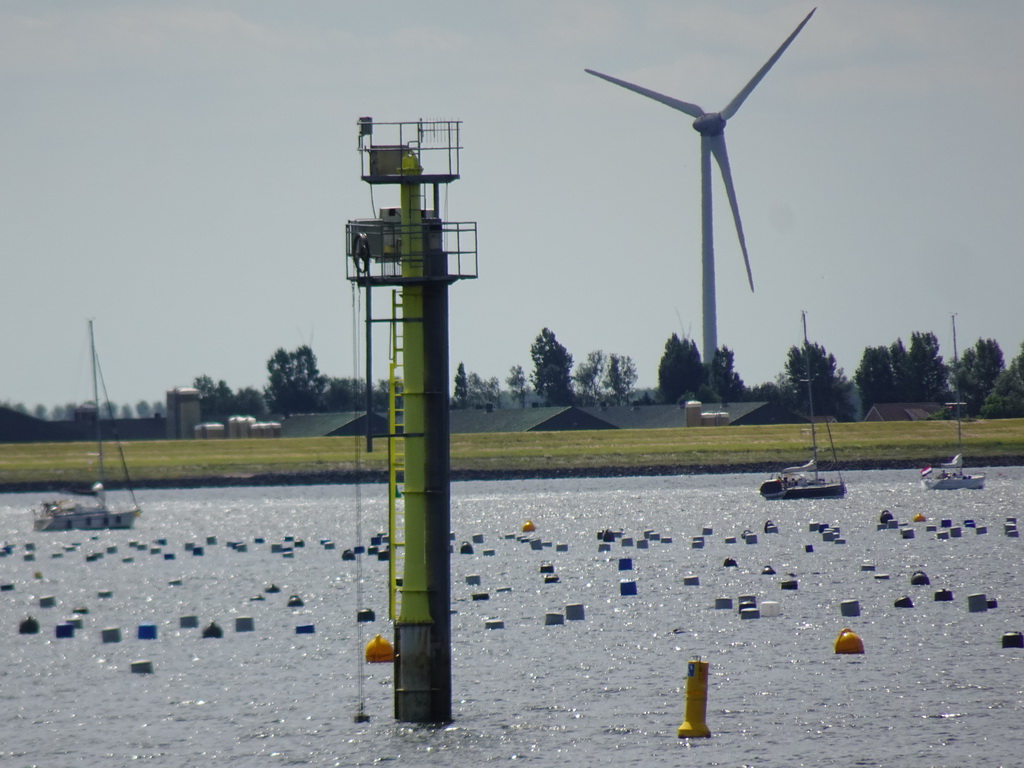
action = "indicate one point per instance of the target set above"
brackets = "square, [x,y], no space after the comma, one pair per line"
[181,173]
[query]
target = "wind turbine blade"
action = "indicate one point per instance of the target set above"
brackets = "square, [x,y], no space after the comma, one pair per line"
[683,106]
[735,104]
[722,157]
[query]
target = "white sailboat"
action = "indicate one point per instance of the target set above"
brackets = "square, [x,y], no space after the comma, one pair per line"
[804,481]
[951,476]
[91,512]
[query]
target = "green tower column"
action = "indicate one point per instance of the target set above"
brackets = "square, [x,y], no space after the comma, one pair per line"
[423,628]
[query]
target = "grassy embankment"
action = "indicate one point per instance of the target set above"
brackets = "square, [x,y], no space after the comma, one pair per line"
[863,445]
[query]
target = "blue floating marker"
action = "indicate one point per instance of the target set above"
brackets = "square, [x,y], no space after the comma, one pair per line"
[168,555]
[625,564]
[198,551]
[147,632]
[65,630]
[627,588]
[305,629]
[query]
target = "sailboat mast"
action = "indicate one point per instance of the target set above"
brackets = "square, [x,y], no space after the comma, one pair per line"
[956,389]
[96,401]
[810,396]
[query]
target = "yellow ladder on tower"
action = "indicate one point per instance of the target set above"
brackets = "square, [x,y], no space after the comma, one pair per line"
[396,458]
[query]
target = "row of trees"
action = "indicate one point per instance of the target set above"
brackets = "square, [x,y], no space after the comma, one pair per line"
[895,373]
[142,410]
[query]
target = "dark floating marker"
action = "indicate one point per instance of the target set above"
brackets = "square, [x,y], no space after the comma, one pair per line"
[365,614]
[1013,640]
[213,630]
[920,579]
[943,596]
[728,563]
[295,602]
[466,548]
[904,602]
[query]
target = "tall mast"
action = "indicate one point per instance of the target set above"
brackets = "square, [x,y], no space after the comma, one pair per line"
[96,401]
[956,388]
[810,396]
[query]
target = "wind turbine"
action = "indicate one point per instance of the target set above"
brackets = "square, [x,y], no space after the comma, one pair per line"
[711,127]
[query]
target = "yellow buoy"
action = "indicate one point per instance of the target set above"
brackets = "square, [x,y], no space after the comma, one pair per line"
[379,651]
[528,527]
[694,725]
[849,642]
[919,518]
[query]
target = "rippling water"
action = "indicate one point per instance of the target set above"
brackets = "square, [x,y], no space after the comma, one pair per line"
[935,687]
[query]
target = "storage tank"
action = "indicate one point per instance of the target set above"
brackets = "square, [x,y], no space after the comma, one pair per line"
[209,431]
[183,413]
[693,413]
[715,419]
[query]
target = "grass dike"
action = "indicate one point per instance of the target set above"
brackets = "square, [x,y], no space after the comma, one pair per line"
[493,456]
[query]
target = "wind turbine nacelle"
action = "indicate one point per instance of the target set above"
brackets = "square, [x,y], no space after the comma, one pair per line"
[710,124]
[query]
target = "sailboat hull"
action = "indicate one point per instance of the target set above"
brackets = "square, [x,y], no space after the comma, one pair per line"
[954,483]
[803,489]
[64,516]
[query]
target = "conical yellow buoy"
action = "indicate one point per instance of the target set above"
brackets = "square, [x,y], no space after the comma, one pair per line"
[379,651]
[528,527]
[694,725]
[919,518]
[849,642]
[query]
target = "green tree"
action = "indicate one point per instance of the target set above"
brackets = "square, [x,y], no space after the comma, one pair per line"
[250,402]
[830,389]
[589,376]
[723,379]
[345,394]
[770,392]
[976,372]
[903,387]
[620,379]
[295,384]
[680,373]
[216,400]
[923,376]
[552,365]
[143,409]
[460,396]
[518,387]
[1007,398]
[875,378]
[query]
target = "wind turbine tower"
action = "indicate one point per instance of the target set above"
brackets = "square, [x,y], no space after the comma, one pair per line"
[711,127]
